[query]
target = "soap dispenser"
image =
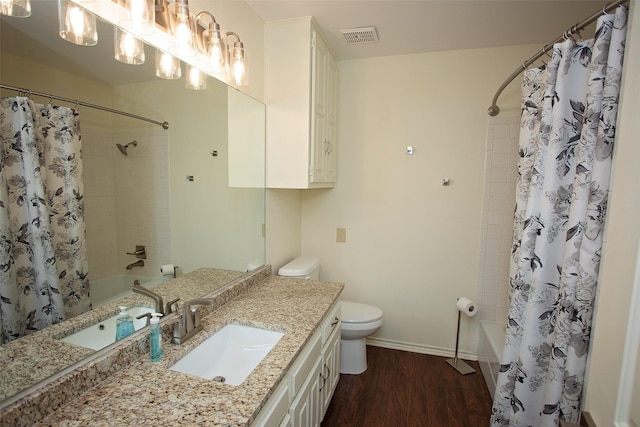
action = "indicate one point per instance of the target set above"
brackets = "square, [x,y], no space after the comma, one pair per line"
[124,324]
[155,338]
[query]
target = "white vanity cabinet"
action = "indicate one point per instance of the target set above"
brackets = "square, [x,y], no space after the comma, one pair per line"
[330,362]
[302,397]
[301,99]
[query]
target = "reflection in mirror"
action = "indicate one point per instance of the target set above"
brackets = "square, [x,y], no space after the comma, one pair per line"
[182,192]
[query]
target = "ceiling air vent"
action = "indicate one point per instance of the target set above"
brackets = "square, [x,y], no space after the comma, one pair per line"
[360,35]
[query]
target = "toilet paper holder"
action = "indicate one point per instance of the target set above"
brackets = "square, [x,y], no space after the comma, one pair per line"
[458,364]
[169,269]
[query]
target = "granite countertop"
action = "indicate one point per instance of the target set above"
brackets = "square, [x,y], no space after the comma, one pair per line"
[148,393]
[39,355]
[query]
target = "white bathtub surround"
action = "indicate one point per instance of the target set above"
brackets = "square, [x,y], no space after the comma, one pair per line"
[113,288]
[500,176]
[489,351]
[127,200]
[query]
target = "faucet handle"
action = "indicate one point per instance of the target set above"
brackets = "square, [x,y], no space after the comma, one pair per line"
[147,315]
[191,314]
[170,304]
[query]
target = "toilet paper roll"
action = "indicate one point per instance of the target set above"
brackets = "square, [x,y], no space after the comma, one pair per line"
[167,269]
[467,307]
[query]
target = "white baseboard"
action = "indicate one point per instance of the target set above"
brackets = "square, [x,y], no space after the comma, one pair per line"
[419,348]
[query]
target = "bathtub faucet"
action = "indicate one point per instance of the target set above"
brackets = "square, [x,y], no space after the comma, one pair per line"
[137,288]
[139,263]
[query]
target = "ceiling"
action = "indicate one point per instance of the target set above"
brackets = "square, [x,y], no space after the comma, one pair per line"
[418,26]
[404,27]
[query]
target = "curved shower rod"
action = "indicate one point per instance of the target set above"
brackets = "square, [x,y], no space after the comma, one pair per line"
[494,110]
[165,125]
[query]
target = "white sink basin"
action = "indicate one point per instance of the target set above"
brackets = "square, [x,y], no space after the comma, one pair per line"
[102,334]
[230,354]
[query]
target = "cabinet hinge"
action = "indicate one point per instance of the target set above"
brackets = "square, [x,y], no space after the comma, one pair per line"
[313,40]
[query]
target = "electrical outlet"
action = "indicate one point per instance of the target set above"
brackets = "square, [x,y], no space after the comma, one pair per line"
[341,235]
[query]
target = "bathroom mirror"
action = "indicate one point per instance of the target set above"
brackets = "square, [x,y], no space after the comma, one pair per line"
[185,193]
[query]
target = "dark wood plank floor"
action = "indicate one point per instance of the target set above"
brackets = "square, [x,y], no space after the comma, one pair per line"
[404,389]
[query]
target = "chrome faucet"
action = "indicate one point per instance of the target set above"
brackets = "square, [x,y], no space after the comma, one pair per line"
[188,324]
[139,263]
[137,288]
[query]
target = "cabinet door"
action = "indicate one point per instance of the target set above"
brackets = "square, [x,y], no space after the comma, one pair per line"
[306,407]
[331,367]
[319,142]
[275,410]
[332,120]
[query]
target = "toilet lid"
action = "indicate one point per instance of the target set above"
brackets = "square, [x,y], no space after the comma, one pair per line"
[354,312]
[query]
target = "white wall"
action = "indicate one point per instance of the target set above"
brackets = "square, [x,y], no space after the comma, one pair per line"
[284,226]
[412,244]
[616,331]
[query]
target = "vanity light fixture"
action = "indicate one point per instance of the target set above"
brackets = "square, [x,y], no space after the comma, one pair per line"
[15,8]
[210,43]
[127,48]
[167,66]
[196,79]
[141,17]
[238,67]
[182,28]
[76,24]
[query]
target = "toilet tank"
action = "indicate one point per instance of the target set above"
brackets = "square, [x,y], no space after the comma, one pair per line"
[304,267]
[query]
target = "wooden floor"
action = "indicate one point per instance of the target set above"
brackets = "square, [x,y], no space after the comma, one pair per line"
[403,389]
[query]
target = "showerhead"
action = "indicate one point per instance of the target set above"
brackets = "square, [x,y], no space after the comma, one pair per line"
[123,148]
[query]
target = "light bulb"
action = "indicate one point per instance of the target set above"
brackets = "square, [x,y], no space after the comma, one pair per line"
[196,79]
[216,58]
[239,72]
[167,66]
[15,8]
[76,25]
[128,49]
[183,36]
[75,20]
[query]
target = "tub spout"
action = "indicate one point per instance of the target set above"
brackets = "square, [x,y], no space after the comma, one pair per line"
[139,263]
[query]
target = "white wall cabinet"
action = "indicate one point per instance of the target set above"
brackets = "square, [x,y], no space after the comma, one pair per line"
[303,396]
[301,99]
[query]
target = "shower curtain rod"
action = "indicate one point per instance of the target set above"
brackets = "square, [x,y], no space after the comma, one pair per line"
[494,110]
[165,125]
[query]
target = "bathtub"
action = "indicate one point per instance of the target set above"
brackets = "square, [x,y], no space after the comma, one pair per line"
[490,344]
[113,288]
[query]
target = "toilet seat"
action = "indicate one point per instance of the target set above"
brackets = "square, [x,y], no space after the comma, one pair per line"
[356,313]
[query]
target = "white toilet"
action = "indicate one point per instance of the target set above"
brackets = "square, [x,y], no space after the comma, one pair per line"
[358,320]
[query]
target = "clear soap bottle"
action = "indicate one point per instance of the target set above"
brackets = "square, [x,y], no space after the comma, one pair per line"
[155,338]
[124,324]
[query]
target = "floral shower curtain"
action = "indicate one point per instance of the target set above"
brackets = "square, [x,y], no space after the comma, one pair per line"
[567,131]
[43,255]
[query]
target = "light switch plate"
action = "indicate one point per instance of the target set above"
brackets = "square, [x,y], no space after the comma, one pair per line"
[341,235]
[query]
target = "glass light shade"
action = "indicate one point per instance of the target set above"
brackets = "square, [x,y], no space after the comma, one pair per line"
[141,17]
[238,66]
[182,29]
[127,48]
[76,24]
[15,8]
[167,66]
[215,50]
[196,79]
